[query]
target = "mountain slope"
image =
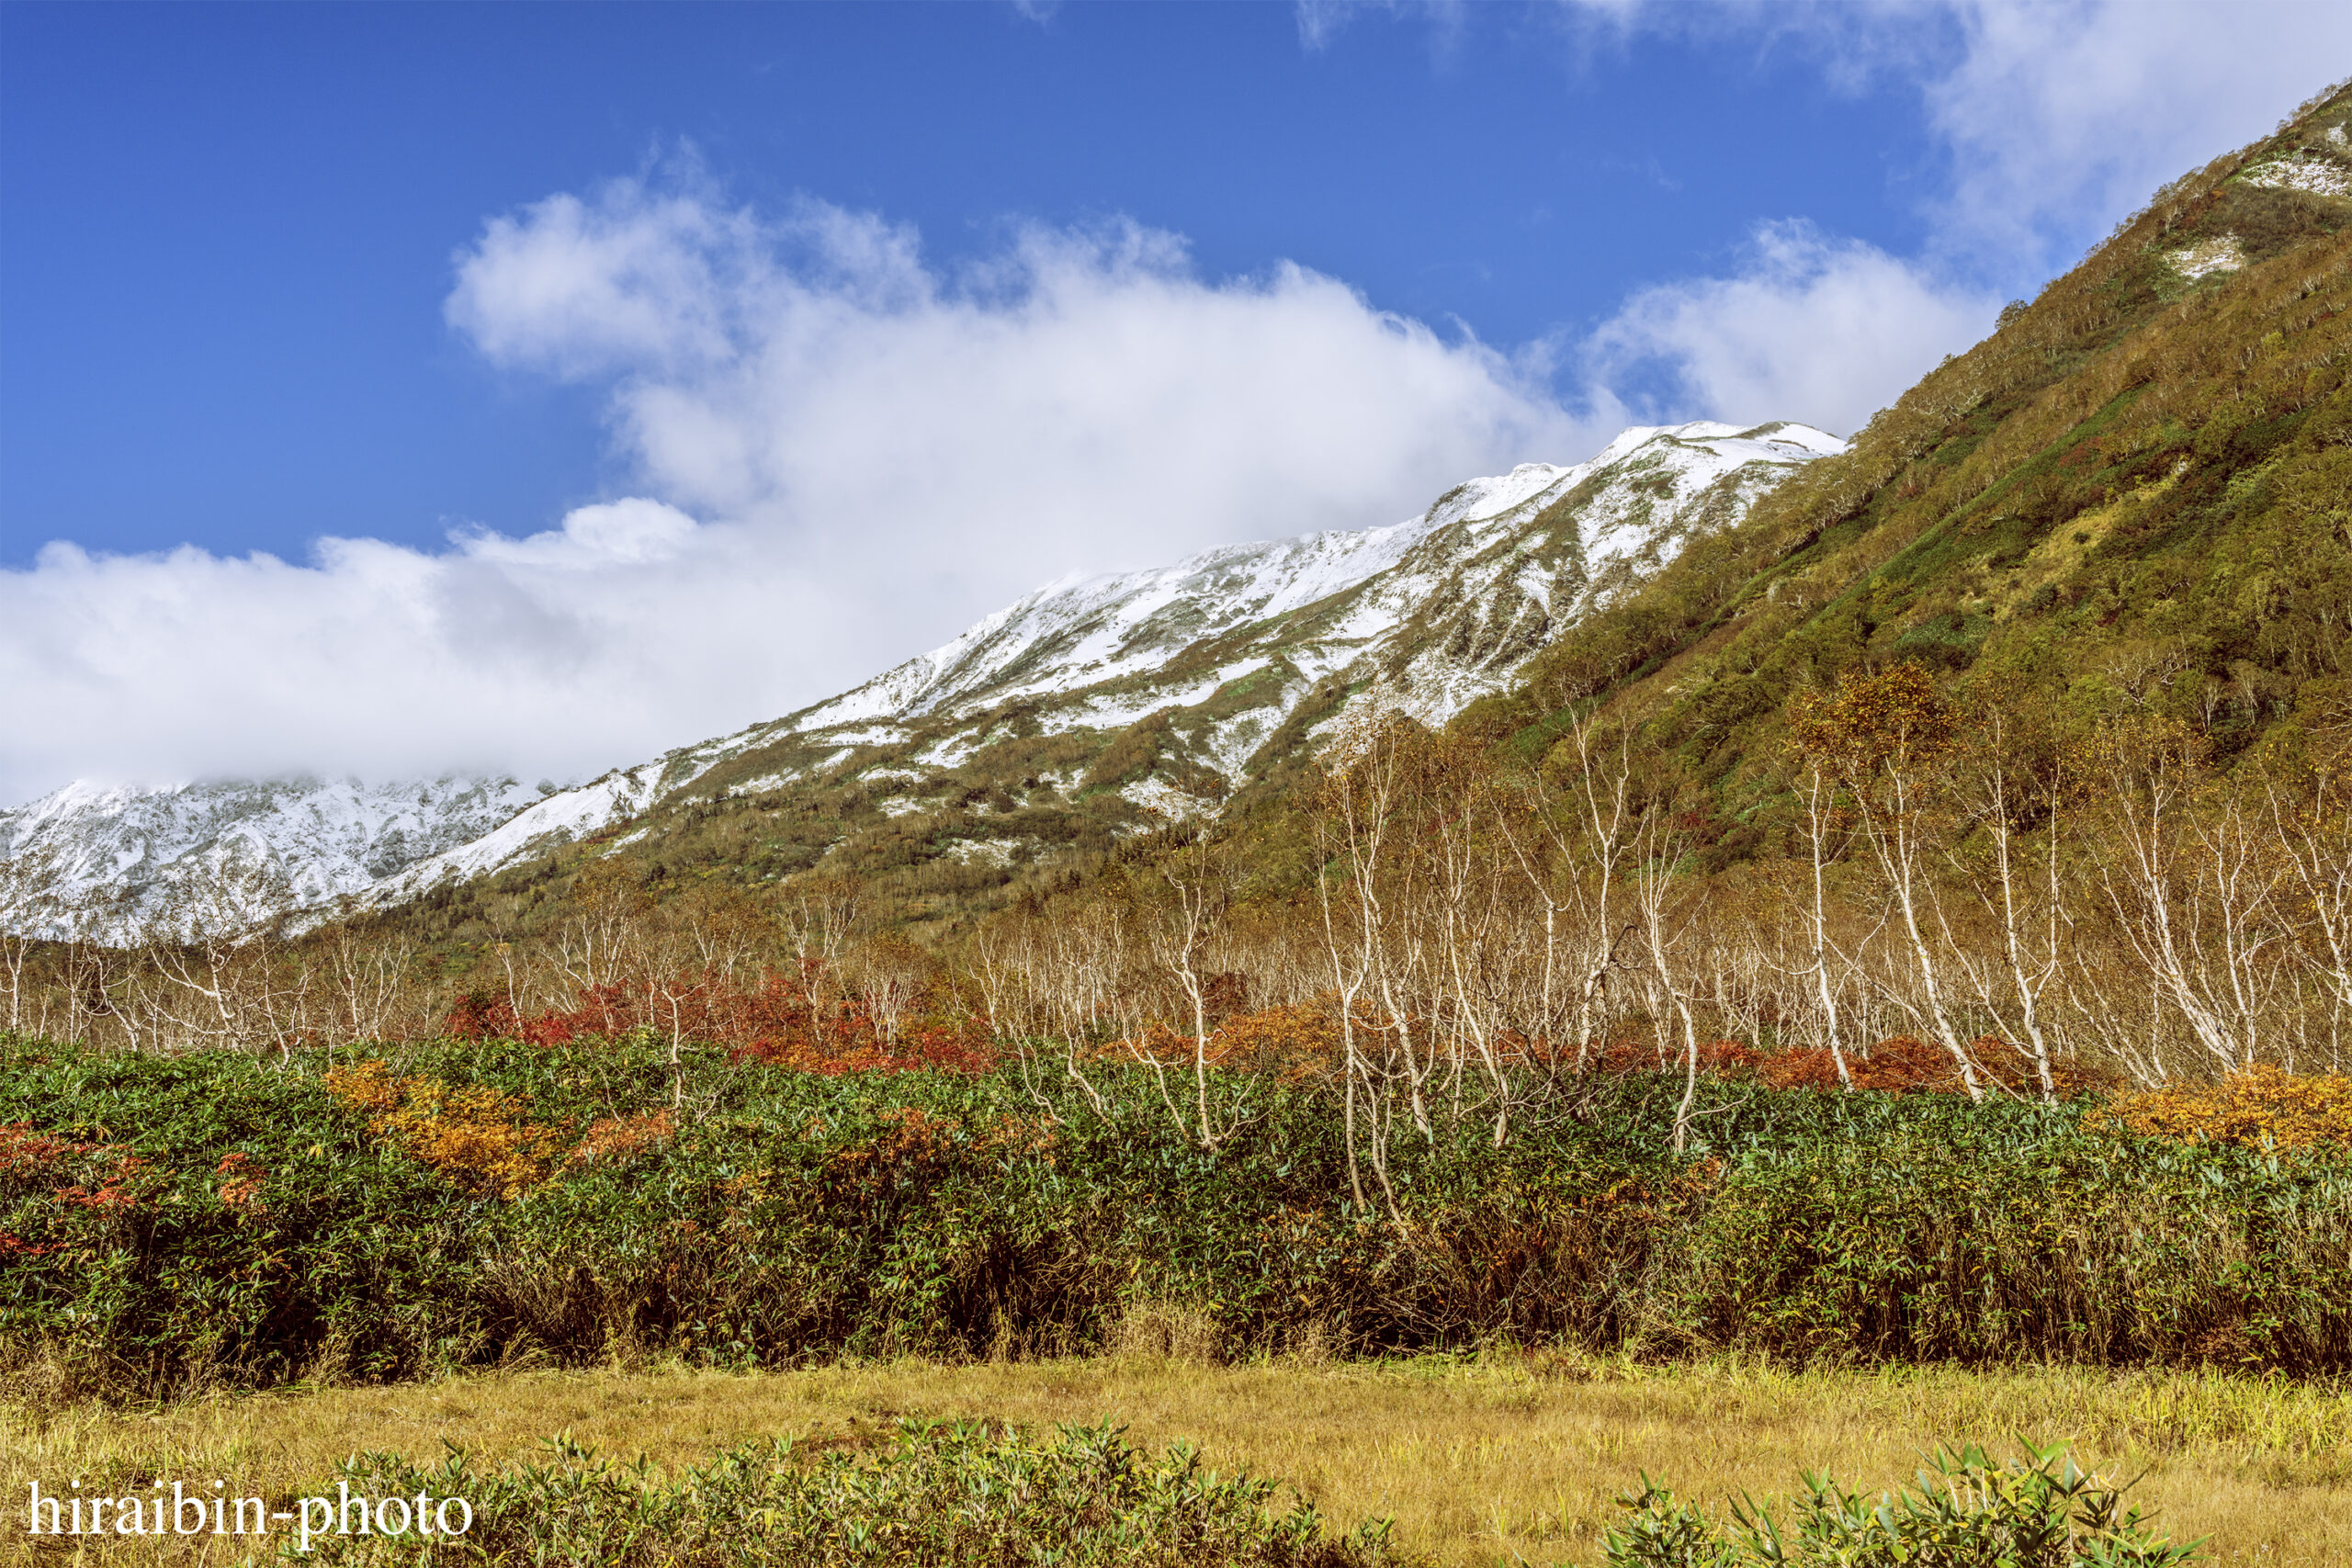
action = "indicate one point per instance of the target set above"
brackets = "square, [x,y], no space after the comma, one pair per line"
[2133,504]
[1114,629]
[1087,706]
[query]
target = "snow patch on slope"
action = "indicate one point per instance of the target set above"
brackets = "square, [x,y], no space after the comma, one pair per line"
[2222,253]
[2302,172]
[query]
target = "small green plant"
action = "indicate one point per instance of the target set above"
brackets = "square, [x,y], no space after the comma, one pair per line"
[2039,1511]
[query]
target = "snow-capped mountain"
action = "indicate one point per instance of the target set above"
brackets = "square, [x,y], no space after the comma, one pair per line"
[1169,688]
[112,862]
[1222,655]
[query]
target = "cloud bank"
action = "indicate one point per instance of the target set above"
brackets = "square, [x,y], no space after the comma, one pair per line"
[2052,118]
[2058,120]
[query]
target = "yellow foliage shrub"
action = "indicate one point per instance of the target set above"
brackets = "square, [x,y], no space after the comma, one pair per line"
[1294,1042]
[478,1137]
[2261,1108]
[370,1086]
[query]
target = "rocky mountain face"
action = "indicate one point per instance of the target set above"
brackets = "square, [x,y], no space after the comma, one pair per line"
[1090,707]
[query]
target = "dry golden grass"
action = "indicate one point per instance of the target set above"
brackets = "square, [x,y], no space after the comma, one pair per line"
[1500,1460]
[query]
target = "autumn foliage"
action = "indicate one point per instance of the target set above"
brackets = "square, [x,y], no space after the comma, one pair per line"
[1295,1043]
[96,1181]
[2261,1108]
[789,1019]
[480,1137]
[616,1140]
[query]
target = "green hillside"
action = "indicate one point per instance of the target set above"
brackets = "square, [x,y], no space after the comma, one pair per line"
[2136,494]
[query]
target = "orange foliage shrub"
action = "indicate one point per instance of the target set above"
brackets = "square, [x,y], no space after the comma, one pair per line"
[1294,1043]
[1908,1065]
[1904,1064]
[24,1150]
[914,1142]
[243,1182]
[855,1045]
[781,1021]
[116,1192]
[478,1137]
[616,1140]
[1155,1042]
[40,1160]
[2261,1108]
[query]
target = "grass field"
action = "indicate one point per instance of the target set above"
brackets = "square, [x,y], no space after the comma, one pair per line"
[1497,1460]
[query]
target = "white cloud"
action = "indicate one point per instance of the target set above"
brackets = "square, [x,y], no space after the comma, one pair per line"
[1080,398]
[630,532]
[1810,328]
[843,457]
[1320,21]
[2055,120]
[2062,119]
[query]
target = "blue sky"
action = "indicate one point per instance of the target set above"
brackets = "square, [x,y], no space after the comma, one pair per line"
[225,235]
[473,351]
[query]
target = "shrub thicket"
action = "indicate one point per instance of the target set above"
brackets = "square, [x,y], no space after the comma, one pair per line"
[173,1223]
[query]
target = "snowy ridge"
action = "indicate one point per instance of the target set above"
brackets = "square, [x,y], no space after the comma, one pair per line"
[1126,628]
[1229,585]
[113,861]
